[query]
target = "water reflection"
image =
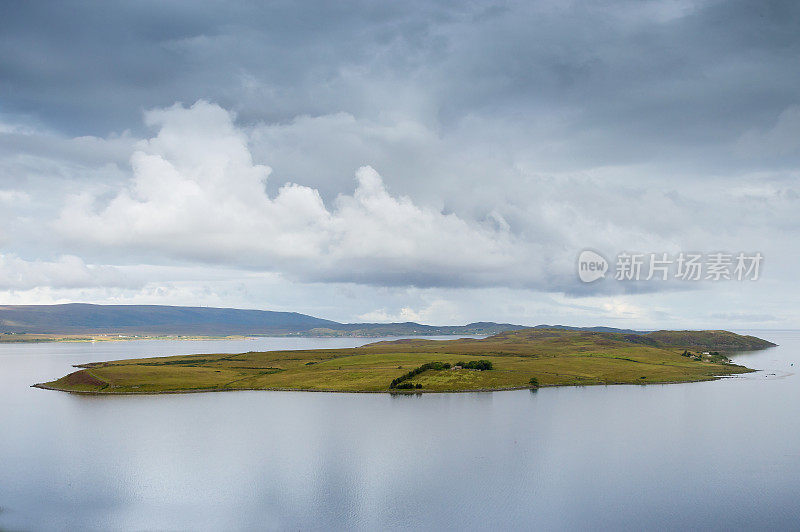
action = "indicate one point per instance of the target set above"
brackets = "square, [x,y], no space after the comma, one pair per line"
[721,454]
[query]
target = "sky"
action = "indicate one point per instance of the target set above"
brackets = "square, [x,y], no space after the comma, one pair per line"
[439,162]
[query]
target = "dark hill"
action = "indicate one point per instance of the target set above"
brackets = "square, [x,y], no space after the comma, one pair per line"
[151,319]
[79,318]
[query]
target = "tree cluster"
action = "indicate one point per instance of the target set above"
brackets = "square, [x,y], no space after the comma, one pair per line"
[416,371]
[400,384]
[475,364]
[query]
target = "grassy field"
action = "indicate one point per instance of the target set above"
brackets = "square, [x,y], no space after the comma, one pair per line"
[553,357]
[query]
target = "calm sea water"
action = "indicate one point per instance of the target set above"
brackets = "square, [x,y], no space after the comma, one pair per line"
[716,455]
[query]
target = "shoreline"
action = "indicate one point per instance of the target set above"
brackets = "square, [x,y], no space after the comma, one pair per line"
[44,386]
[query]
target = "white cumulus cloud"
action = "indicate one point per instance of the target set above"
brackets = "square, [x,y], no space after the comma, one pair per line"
[196,194]
[66,272]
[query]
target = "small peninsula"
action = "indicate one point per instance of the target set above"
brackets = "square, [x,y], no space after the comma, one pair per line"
[526,358]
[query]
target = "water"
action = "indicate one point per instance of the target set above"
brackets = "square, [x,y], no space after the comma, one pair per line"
[716,455]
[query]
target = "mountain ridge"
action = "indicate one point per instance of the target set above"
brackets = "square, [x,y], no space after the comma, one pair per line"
[85,318]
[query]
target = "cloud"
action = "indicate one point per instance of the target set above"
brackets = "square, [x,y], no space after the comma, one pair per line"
[616,82]
[14,196]
[495,142]
[782,139]
[66,272]
[197,195]
[435,312]
[745,317]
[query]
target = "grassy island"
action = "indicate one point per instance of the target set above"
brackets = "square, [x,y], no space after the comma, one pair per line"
[515,359]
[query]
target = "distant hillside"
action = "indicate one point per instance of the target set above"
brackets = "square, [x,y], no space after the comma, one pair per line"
[152,319]
[79,318]
[593,329]
[413,329]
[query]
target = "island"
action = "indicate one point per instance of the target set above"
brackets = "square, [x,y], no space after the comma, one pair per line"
[527,358]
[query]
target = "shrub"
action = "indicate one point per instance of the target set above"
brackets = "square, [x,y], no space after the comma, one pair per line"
[481,365]
[534,382]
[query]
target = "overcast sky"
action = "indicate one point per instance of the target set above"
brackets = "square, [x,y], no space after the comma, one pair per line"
[441,162]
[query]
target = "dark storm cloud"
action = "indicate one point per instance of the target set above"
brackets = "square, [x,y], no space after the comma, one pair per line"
[629,80]
[97,65]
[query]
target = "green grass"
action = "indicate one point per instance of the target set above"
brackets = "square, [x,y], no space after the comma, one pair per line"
[553,357]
